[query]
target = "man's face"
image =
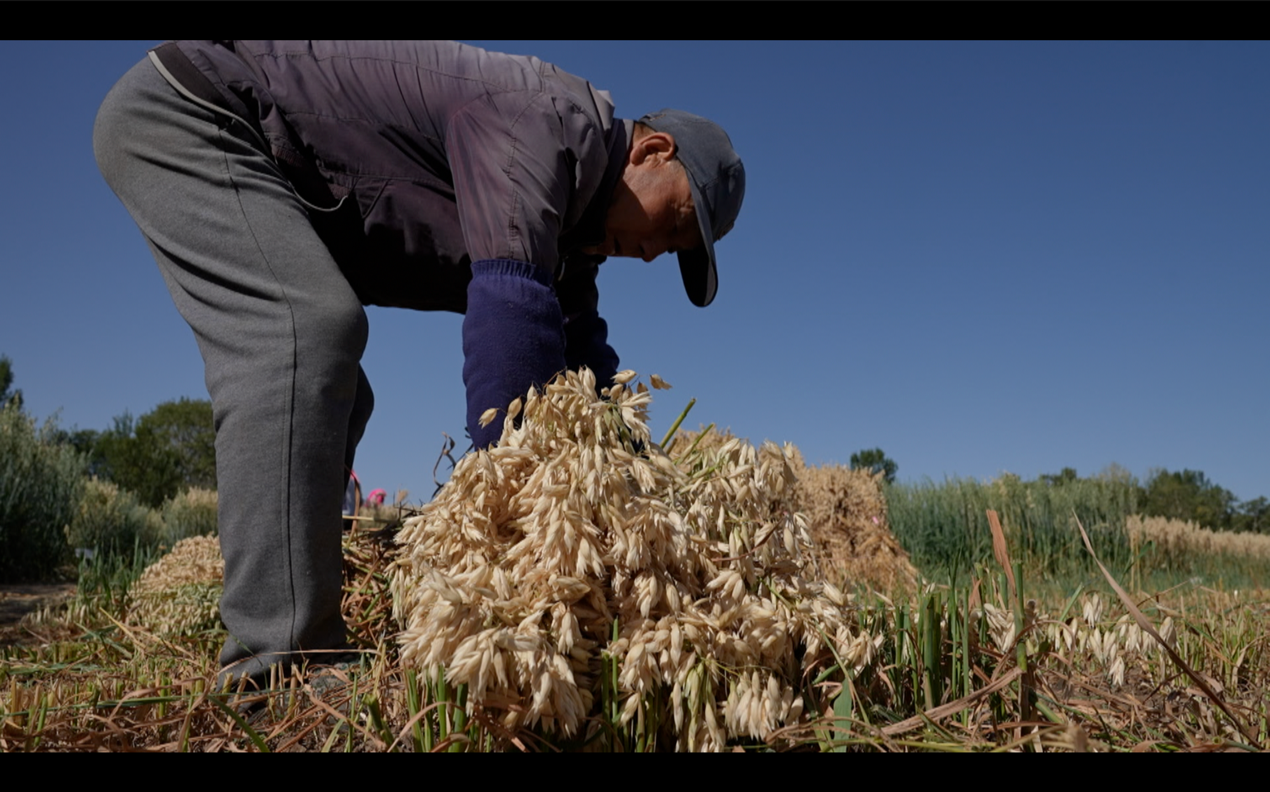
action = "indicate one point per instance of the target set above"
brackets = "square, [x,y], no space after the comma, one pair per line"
[651,212]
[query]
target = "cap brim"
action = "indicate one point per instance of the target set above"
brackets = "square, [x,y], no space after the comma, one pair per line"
[701,279]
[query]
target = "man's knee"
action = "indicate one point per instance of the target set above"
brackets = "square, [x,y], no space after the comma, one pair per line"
[335,332]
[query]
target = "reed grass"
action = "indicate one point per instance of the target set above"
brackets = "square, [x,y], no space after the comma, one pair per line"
[943,526]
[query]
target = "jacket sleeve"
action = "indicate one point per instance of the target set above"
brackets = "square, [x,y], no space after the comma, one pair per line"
[513,338]
[523,169]
[522,173]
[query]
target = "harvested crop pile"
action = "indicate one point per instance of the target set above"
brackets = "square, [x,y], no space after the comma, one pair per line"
[576,575]
[180,593]
[847,513]
[852,542]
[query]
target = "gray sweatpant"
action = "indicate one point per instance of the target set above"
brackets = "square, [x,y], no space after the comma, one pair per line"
[281,334]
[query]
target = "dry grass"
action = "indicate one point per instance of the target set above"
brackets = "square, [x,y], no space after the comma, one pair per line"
[1178,539]
[1105,674]
[91,681]
[1096,683]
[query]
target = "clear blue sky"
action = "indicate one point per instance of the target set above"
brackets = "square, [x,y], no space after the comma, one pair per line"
[981,257]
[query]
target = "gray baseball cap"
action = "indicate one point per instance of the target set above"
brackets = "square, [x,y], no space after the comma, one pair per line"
[717,180]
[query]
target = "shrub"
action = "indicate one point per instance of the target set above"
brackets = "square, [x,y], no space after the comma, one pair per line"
[190,513]
[39,486]
[113,521]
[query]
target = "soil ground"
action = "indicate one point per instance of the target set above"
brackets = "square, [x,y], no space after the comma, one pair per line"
[17,600]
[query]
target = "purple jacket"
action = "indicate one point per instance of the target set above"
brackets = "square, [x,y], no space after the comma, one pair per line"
[442,177]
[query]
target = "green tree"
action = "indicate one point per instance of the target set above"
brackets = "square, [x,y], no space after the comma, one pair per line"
[85,441]
[1118,474]
[186,428]
[1065,476]
[1188,495]
[874,460]
[6,381]
[1253,515]
[166,451]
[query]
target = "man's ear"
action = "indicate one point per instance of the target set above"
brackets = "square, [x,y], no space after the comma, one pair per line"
[659,145]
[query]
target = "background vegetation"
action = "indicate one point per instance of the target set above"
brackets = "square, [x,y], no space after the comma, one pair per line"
[125,492]
[40,486]
[944,526]
[145,483]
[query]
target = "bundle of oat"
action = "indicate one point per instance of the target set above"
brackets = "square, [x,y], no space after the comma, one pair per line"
[847,512]
[852,542]
[577,542]
[180,593]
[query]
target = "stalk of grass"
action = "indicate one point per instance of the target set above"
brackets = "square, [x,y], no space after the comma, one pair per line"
[330,740]
[843,710]
[1018,606]
[932,650]
[183,744]
[967,631]
[251,733]
[354,711]
[441,694]
[460,716]
[39,710]
[666,442]
[422,741]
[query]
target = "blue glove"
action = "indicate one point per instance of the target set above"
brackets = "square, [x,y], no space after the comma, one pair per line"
[513,337]
[586,344]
